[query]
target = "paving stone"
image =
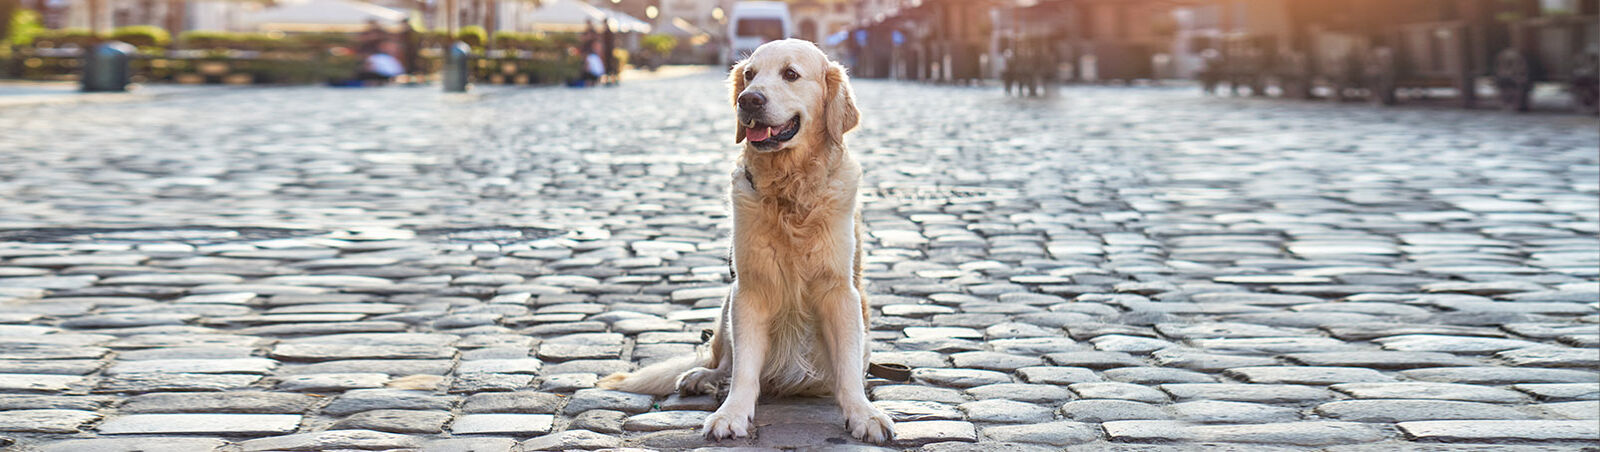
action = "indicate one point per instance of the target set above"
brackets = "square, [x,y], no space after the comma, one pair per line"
[1094,360]
[1033,393]
[664,420]
[593,399]
[1413,410]
[1426,447]
[571,440]
[1207,362]
[194,366]
[1225,412]
[1307,375]
[1450,344]
[209,423]
[1311,433]
[1004,411]
[513,402]
[993,361]
[38,382]
[1058,433]
[1425,390]
[169,382]
[335,382]
[911,410]
[926,432]
[138,444]
[1561,391]
[1154,375]
[471,445]
[1380,359]
[1587,409]
[1106,410]
[375,399]
[252,402]
[918,392]
[393,367]
[517,424]
[396,421]
[603,421]
[1501,375]
[332,440]
[1552,357]
[1260,393]
[1123,391]
[46,420]
[959,378]
[1500,430]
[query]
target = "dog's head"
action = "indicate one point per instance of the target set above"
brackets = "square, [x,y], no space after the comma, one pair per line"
[788,89]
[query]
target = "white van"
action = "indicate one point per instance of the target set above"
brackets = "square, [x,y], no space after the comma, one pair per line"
[751,24]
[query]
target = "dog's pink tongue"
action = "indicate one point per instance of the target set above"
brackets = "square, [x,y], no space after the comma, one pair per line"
[758,133]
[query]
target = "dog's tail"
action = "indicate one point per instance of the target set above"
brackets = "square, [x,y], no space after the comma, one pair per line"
[656,379]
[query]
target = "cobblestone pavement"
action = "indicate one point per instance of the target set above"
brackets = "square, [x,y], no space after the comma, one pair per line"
[1124,269]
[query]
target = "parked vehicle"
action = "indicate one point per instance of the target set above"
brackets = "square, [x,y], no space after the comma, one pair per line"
[751,24]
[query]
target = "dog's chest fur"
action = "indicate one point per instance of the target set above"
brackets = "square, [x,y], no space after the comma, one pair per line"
[796,248]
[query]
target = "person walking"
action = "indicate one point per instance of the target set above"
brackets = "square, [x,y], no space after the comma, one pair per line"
[410,49]
[608,47]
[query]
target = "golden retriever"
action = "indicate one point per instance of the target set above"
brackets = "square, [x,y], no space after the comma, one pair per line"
[795,320]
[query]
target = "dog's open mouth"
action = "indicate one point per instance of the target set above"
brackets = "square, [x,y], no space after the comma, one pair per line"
[769,136]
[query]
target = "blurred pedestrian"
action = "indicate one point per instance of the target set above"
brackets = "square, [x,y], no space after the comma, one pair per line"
[378,63]
[590,36]
[608,44]
[410,50]
[373,35]
[594,67]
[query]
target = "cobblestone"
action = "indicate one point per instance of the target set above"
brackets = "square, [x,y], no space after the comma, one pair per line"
[1116,269]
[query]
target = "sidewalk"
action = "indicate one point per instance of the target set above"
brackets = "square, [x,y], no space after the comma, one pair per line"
[17,93]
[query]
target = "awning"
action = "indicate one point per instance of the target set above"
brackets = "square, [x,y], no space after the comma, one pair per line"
[321,15]
[570,16]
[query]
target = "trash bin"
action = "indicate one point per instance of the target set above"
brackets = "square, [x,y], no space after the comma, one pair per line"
[456,59]
[106,67]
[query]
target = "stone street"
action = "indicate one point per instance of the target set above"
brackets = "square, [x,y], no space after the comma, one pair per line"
[1121,268]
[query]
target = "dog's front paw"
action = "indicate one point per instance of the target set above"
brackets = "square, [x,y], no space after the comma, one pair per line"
[723,424]
[870,424]
[698,380]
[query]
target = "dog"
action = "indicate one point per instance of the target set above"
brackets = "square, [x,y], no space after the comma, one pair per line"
[795,319]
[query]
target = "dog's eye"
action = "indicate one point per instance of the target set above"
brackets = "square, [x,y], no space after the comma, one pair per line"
[790,75]
[749,74]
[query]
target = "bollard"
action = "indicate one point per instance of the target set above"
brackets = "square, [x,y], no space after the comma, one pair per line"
[456,60]
[105,67]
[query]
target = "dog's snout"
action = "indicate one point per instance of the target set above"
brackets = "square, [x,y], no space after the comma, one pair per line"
[752,101]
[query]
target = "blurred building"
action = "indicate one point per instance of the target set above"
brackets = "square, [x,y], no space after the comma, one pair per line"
[815,20]
[173,15]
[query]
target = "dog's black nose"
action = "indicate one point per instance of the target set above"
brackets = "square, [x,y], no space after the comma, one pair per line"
[752,101]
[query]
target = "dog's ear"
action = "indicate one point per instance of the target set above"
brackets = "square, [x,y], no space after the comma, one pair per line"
[736,84]
[840,106]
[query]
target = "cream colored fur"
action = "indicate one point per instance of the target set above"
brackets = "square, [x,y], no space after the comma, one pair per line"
[795,320]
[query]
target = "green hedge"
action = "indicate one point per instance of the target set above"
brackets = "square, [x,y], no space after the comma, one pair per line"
[142,35]
[64,37]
